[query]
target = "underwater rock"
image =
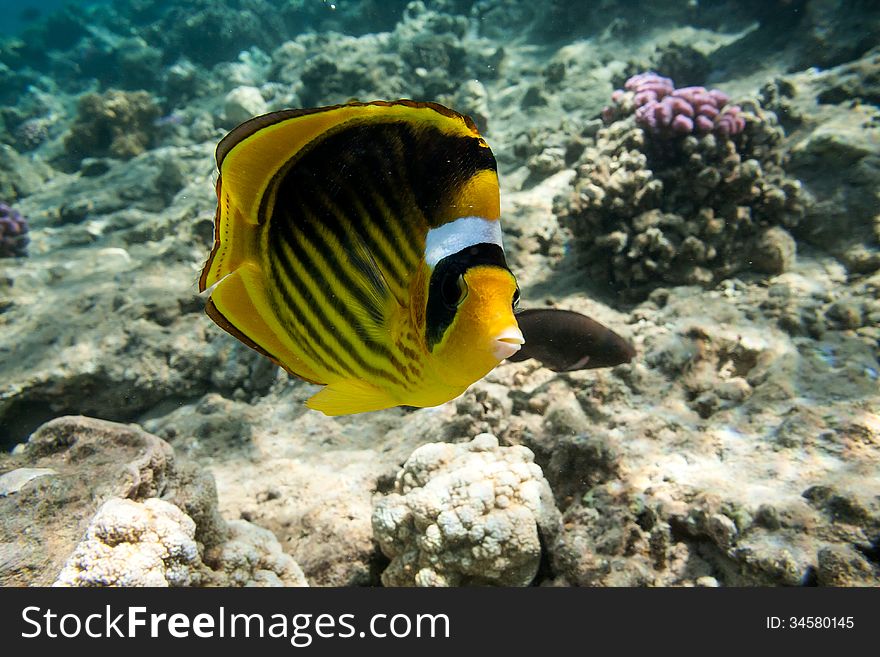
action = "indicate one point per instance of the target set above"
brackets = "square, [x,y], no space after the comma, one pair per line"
[742,380]
[682,62]
[465,514]
[116,60]
[839,162]
[152,543]
[564,416]
[428,55]
[553,21]
[335,543]
[573,450]
[130,297]
[93,461]
[14,480]
[106,481]
[548,150]
[840,565]
[134,64]
[184,81]
[858,80]
[243,103]
[308,478]
[287,60]
[483,408]
[727,536]
[547,162]
[31,133]
[836,32]
[775,251]
[845,314]
[20,175]
[207,32]
[611,539]
[500,18]
[251,556]
[678,61]
[76,383]
[839,142]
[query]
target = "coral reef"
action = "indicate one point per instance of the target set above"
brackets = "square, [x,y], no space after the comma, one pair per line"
[557,19]
[148,517]
[13,233]
[739,448]
[684,211]
[115,123]
[429,54]
[468,514]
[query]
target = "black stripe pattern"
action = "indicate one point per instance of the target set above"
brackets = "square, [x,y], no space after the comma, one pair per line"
[346,233]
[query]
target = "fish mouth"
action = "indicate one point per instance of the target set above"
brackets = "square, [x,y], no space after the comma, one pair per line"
[507,343]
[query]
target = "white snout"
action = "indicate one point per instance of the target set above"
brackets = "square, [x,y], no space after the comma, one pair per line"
[507,343]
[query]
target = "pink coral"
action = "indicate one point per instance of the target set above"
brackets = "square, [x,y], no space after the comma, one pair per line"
[668,112]
[648,87]
[13,233]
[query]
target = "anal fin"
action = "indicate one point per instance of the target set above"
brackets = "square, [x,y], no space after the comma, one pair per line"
[350,396]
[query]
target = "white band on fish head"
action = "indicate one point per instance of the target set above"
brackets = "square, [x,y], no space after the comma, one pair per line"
[459,234]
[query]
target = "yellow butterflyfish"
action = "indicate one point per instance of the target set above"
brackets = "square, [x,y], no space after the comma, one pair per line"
[359,247]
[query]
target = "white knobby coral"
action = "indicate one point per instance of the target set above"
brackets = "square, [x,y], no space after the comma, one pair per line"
[152,543]
[252,556]
[465,514]
[129,543]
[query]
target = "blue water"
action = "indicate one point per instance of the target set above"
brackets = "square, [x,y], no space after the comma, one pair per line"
[18,14]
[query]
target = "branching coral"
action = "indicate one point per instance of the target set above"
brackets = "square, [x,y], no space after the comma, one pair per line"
[653,208]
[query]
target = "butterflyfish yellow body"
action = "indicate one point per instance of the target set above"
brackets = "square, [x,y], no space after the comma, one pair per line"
[359,247]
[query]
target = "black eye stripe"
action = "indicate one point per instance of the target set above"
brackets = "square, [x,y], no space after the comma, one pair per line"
[438,313]
[450,289]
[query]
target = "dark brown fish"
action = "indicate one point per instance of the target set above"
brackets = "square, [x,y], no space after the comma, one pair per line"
[565,341]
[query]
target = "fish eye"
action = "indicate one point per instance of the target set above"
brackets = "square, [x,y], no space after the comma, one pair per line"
[454,290]
[515,298]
